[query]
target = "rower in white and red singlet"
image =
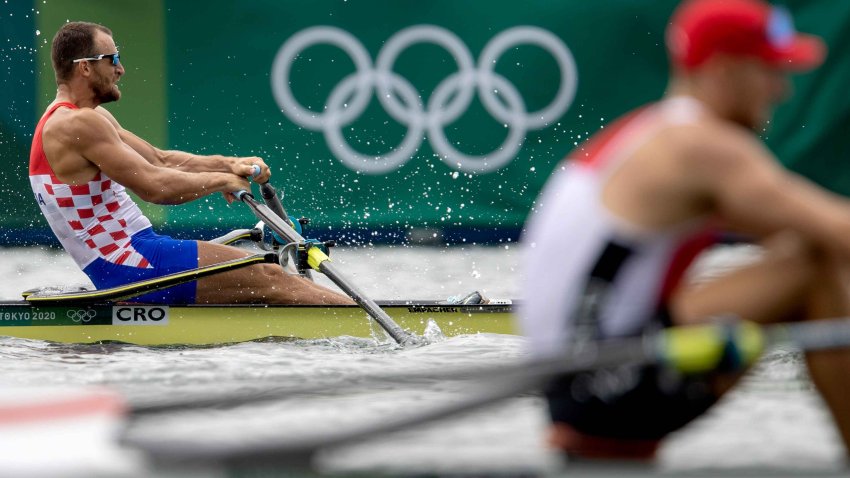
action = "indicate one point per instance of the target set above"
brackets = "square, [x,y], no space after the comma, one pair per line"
[618,223]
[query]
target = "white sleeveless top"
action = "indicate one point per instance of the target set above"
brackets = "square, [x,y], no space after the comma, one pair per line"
[571,237]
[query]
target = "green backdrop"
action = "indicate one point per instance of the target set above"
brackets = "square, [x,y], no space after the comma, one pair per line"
[201,77]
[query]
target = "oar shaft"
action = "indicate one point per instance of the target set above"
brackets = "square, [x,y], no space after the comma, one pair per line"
[320,262]
[520,376]
[812,335]
[273,201]
[395,331]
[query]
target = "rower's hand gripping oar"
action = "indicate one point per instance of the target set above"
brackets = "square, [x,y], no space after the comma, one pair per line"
[320,261]
[270,197]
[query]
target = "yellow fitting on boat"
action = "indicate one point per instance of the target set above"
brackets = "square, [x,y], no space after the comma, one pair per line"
[703,348]
[315,257]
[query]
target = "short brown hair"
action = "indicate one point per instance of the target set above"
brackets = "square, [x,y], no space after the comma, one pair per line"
[74,40]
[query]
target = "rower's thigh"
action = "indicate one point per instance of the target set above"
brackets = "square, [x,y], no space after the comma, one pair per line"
[773,287]
[247,284]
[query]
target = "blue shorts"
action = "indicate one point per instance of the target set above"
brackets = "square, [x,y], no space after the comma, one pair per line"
[166,256]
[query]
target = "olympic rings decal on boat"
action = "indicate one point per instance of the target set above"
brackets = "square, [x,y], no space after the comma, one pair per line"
[81,315]
[449,100]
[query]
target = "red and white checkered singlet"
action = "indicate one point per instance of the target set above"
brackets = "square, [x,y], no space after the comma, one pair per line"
[91,220]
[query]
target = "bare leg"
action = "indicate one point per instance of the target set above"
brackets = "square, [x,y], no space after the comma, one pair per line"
[262,283]
[830,369]
[771,289]
[791,281]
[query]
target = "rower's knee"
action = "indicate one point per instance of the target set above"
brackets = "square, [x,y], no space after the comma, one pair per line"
[812,263]
[282,287]
[768,286]
[795,251]
[271,272]
[821,278]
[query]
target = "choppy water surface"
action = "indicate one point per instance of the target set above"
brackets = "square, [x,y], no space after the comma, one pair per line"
[773,420]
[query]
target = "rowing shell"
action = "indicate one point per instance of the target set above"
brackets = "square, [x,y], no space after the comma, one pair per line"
[219,324]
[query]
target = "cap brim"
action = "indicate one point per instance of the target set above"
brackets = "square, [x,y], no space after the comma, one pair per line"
[805,53]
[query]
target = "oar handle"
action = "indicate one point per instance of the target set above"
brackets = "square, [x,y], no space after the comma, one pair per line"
[269,196]
[255,171]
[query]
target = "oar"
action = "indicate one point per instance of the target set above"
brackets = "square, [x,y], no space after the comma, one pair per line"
[319,261]
[272,200]
[688,349]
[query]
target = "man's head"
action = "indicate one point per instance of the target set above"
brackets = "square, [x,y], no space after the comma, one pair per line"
[741,50]
[76,54]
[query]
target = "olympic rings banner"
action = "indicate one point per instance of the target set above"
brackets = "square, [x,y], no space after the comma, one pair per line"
[388,116]
[382,117]
[450,99]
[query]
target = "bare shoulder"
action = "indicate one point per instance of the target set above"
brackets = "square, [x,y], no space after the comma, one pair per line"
[106,114]
[712,150]
[715,143]
[78,126]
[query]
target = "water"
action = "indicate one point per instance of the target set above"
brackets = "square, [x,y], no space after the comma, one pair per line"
[774,419]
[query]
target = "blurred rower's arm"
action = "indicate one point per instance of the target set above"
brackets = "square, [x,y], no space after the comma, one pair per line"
[753,193]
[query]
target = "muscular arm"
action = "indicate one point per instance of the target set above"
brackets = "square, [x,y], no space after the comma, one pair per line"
[188,162]
[753,193]
[93,137]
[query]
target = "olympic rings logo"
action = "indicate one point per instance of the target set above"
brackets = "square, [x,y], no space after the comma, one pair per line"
[449,100]
[80,315]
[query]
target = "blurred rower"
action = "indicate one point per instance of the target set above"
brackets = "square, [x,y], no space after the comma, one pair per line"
[620,221]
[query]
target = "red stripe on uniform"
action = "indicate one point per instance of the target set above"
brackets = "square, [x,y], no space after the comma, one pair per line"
[80,190]
[108,249]
[123,257]
[85,213]
[76,225]
[588,153]
[118,235]
[96,199]
[98,229]
[684,256]
[112,206]
[38,161]
[48,188]
[65,202]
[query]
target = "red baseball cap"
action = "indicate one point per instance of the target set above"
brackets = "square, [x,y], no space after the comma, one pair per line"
[700,28]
